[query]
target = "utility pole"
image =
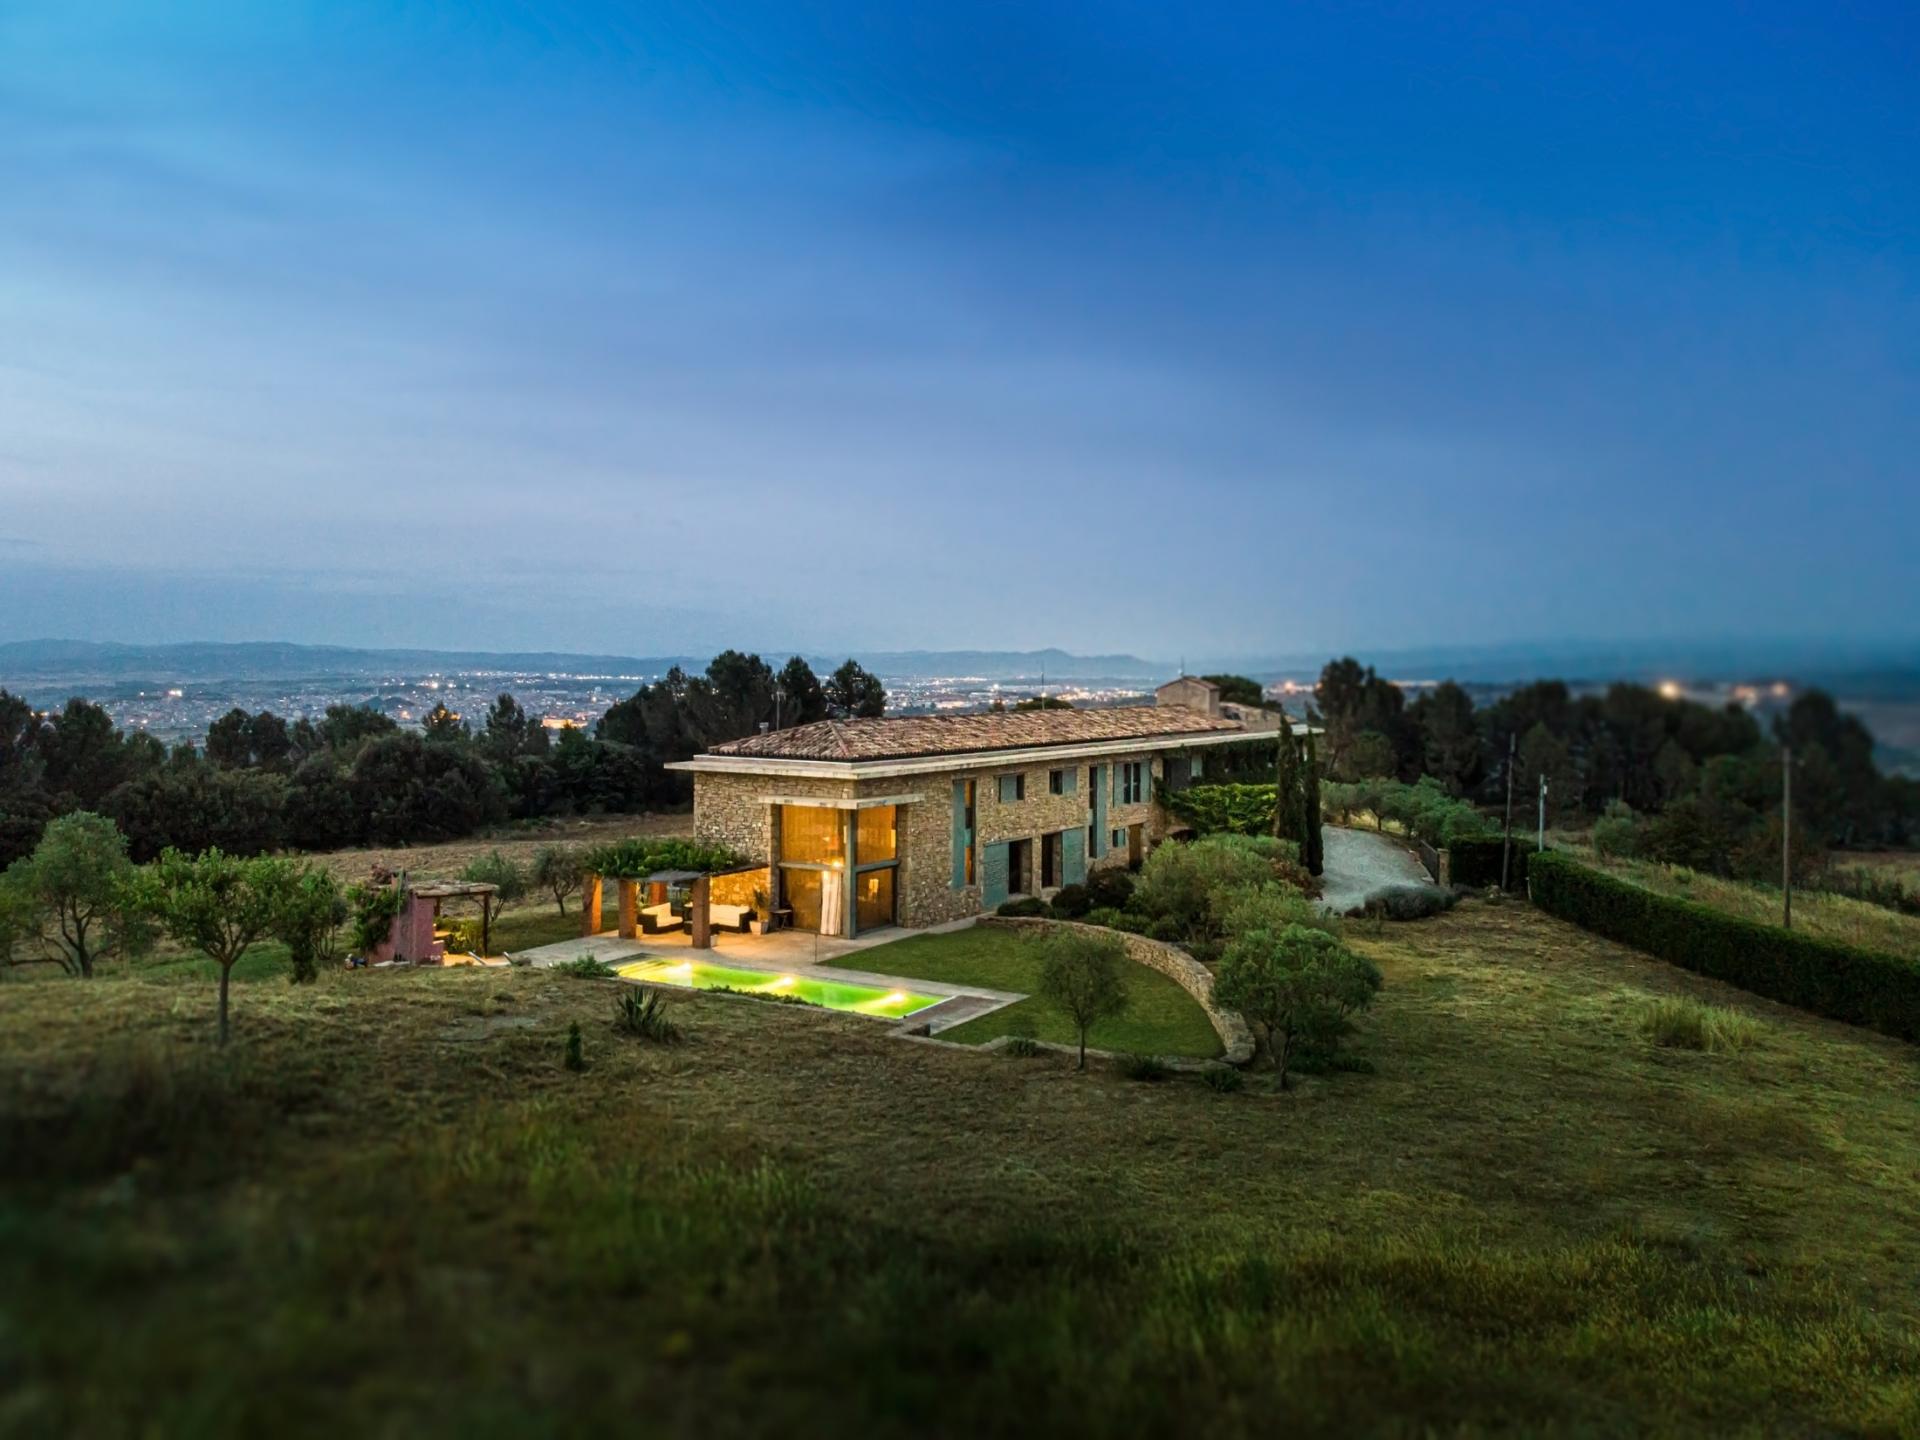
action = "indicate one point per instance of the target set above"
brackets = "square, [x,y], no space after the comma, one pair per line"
[1506,843]
[1786,834]
[1541,843]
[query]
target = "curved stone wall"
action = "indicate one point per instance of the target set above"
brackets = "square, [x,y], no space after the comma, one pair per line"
[1171,961]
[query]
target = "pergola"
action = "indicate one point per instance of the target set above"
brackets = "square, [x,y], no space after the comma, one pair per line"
[699,920]
[424,911]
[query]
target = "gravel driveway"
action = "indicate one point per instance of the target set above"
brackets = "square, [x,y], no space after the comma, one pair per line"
[1360,863]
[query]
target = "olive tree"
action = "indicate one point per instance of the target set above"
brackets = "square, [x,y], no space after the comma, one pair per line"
[73,892]
[559,870]
[1296,987]
[220,905]
[1080,973]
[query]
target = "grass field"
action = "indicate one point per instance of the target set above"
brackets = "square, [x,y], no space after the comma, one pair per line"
[389,1209]
[1161,1018]
[1832,917]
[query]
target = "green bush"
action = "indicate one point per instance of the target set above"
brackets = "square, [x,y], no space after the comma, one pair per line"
[1167,929]
[497,870]
[1027,907]
[1223,1080]
[1616,835]
[1842,982]
[1148,1068]
[1106,916]
[584,967]
[1109,887]
[1223,809]
[1476,861]
[575,1057]
[1407,902]
[1070,902]
[1023,1047]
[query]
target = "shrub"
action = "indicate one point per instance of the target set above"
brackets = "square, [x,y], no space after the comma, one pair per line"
[1070,902]
[643,1015]
[585,967]
[1027,907]
[1616,834]
[1688,1025]
[1223,1080]
[1842,982]
[1223,809]
[372,910]
[1022,1047]
[496,869]
[575,1057]
[1476,861]
[1167,929]
[1179,882]
[1407,902]
[1265,907]
[635,859]
[1109,887]
[1106,916]
[1297,989]
[1149,1069]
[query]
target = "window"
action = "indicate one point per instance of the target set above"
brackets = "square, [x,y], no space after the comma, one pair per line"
[1012,788]
[1133,782]
[964,798]
[1118,839]
[1056,782]
[875,837]
[812,835]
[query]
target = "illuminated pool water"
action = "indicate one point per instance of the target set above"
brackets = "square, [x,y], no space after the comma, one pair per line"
[832,994]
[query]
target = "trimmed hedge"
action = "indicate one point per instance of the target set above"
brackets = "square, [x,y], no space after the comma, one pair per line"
[1839,981]
[1476,862]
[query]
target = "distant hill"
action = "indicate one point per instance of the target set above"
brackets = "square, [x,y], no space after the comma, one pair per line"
[37,659]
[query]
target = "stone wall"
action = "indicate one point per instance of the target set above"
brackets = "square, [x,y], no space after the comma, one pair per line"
[1236,1041]
[736,887]
[731,810]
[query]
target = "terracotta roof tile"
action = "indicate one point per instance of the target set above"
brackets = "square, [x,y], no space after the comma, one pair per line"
[903,736]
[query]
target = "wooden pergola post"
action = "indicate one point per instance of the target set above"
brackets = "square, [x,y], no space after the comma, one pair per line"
[629,909]
[590,906]
[698,917]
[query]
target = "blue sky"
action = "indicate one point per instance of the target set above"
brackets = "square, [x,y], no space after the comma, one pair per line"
[1192,329]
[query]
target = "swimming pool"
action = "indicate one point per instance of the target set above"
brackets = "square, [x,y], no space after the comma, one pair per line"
[832,994]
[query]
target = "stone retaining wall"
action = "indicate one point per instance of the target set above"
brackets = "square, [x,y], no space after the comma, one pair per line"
[1171,961]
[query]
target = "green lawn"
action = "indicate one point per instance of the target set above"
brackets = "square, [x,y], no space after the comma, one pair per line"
[389,1209]
[1161,1018]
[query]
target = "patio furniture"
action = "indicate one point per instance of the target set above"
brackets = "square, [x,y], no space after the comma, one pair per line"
[729,917]
[658,919]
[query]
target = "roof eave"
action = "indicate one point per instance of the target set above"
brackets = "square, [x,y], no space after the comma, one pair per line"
[1007,759]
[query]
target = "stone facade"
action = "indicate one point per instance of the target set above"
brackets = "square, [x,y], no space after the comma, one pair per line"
[732,810]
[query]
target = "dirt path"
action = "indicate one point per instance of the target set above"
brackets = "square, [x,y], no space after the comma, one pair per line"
[1360,863]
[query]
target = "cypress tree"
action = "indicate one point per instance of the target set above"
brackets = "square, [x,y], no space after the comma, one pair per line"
[1313,852]
[1286,789]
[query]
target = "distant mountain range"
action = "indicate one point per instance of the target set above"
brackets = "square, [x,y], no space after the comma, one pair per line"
[36,659]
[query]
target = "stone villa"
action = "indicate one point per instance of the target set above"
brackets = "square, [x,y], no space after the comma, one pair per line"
[919,819]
